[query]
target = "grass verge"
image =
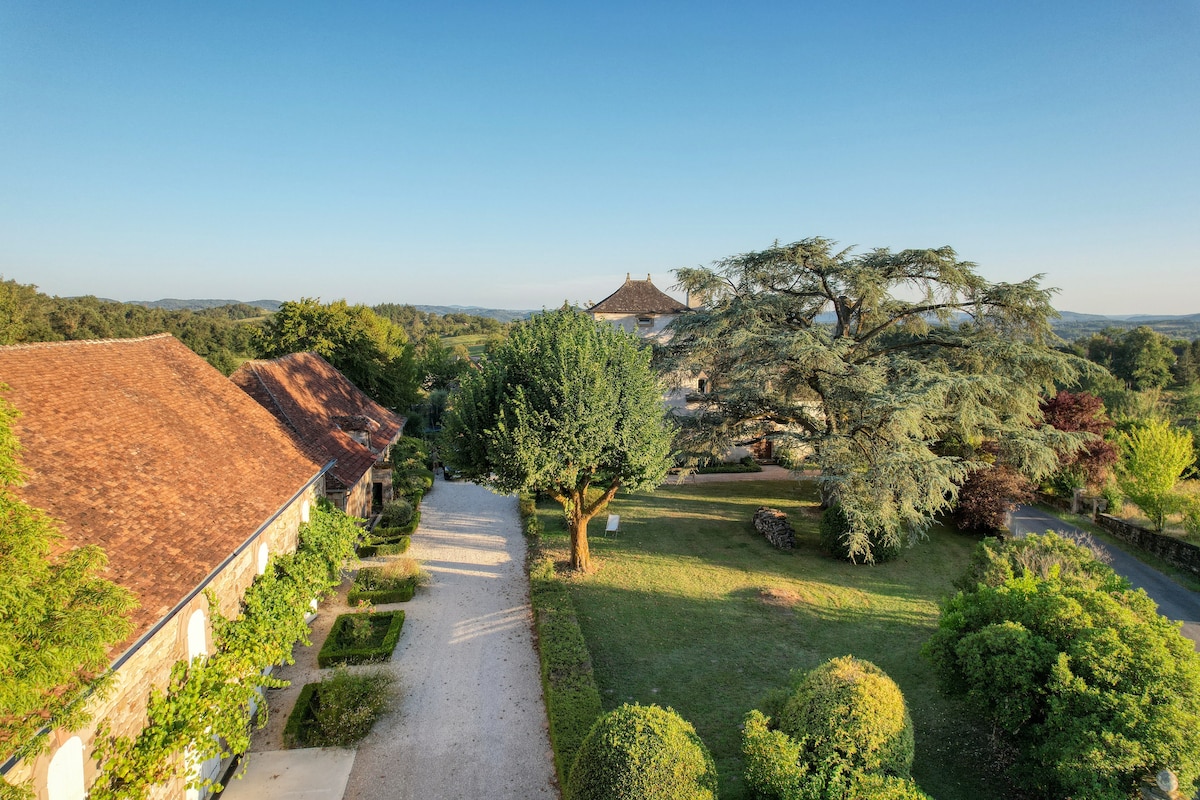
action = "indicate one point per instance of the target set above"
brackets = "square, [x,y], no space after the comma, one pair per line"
[690,608]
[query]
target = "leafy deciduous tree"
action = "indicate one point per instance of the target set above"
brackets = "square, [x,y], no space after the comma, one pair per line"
[1090,465]
[874,360]
[1154,455]
[373,353]
[563,406]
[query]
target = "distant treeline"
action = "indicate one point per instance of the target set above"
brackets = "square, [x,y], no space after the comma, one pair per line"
[224,335]
[420,324]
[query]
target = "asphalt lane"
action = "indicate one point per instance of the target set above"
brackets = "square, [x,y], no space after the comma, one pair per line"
[1174,601]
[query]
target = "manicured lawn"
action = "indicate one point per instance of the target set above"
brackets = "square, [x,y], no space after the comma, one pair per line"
[690,608]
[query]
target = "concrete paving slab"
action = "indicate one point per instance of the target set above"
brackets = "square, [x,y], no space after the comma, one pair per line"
[315,773]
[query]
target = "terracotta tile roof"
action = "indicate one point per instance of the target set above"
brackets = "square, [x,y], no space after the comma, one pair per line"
[323,408]
[638,297]
[141,447]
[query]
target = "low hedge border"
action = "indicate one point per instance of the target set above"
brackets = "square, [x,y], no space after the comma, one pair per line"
[332,654]
[568,683]
[400,594]
[717,469]
[300,718]
[393,546]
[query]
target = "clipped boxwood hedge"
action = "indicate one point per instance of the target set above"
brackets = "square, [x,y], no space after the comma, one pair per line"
[378,645]
[391,546]
[369,585]
[302,717]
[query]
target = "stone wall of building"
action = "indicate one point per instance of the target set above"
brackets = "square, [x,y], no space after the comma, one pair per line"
[149,667]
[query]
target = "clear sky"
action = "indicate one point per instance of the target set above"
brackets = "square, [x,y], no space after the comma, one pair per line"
[515,155]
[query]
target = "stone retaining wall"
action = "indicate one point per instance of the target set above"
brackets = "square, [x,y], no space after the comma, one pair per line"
[1174,551]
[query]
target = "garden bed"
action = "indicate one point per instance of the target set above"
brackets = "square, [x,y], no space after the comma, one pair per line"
[361,637]
[338,711]
[391,583]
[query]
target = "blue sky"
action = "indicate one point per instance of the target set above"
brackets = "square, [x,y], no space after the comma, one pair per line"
[518,155]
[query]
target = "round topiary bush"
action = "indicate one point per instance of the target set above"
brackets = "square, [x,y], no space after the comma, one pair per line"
[396,513]
[642,753]
[834,528]
[849,712]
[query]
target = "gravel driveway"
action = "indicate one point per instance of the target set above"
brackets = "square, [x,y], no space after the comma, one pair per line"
[471,721]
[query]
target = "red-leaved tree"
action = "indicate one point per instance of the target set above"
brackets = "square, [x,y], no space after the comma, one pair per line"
[1083,412]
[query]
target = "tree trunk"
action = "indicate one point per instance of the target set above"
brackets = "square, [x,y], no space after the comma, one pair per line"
[581,556]
[579,514]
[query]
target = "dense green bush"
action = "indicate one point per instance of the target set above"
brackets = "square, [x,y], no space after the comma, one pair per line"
[834,528]
[995,562]
[1093,687]
[841,732]
[409,451]
[730,467]
[848,711]
[642,753]
[412,482]
[396,513]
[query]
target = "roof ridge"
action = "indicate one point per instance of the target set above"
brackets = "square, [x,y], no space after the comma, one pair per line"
[111,340]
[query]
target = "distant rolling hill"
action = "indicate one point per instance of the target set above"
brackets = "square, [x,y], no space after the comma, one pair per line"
[501,314]
[1073,325]
[175,304]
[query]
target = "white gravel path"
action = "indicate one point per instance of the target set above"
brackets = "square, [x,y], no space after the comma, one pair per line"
[470,721]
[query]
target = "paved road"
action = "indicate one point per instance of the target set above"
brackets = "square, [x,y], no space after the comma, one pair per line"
[1174,601]
[471,721]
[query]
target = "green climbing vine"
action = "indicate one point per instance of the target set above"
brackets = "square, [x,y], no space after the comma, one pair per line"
[205,710]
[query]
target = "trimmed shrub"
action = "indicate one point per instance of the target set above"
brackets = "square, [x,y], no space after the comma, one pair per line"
[412,481]
[572,698]
[849,712]
[361,637]
[642,753]
[887,787]
[388,541]
[396,513]
[774,766]
[295,732]
[834,530]
[396,548]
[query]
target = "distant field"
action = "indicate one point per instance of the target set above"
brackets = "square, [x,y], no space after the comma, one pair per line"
[690,608]
[474,342]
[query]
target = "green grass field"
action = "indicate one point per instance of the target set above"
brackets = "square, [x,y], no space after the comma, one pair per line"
[690,608]
[474,342]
